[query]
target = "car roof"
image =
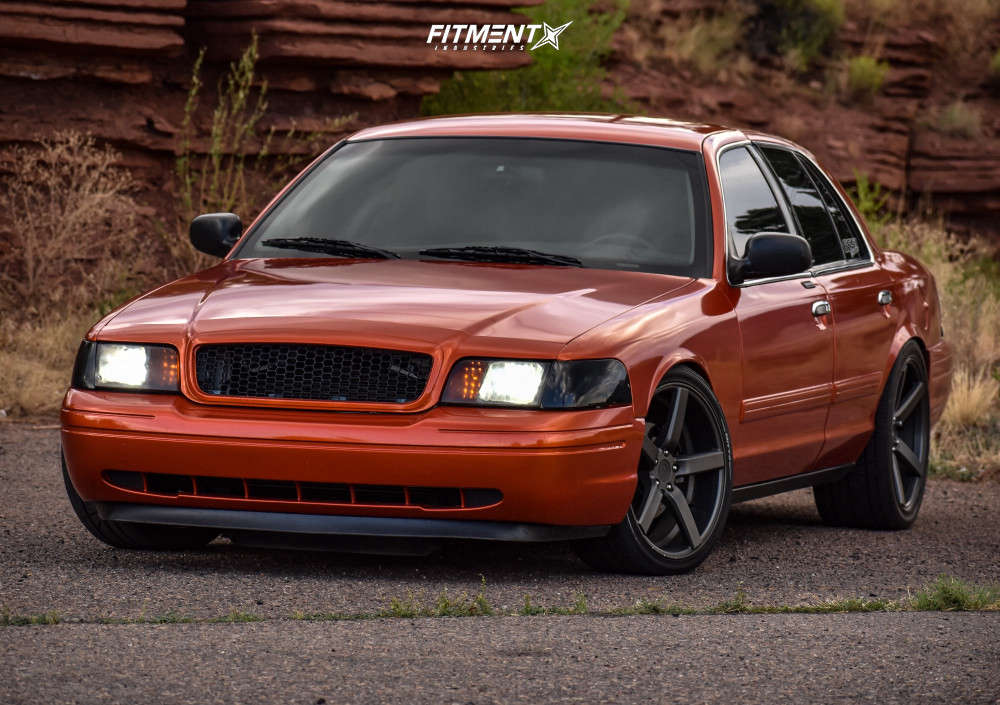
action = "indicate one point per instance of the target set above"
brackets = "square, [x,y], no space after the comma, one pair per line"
[631,129]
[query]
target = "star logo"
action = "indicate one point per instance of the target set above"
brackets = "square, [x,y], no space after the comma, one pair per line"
[551,35]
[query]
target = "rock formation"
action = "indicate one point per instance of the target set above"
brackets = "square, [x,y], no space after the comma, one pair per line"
[121,69]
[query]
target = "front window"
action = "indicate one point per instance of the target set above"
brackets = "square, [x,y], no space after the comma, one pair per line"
[595,204]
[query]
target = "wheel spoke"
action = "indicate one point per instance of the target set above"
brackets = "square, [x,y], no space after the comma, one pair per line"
[682,511]
[675,425]
[650,505]
[909,458]
[700,462]
[649,447]
[911,401]
[897,478]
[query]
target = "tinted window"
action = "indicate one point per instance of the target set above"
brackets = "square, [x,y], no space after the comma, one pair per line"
[751,207]
[809,209]
[850,238]
[612,206]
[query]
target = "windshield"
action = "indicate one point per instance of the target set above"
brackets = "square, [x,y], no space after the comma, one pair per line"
[594,204]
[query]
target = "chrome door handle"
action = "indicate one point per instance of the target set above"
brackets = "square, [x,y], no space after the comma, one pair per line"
[884,297]
[821,308]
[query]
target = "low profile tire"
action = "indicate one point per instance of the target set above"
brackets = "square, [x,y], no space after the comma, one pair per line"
[886,486]
[138,536]
[684,486]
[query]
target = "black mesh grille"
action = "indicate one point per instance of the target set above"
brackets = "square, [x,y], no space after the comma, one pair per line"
[315,372]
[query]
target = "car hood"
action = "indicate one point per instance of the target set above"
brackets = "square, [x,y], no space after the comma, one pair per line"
[419,305]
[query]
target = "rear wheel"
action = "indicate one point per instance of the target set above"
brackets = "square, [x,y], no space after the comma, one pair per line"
[684,485]
[122,534]
[886,486]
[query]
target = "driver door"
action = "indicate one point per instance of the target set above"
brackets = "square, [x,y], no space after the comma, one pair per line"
[786,345]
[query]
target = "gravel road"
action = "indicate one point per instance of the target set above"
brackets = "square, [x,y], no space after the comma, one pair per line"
[775,551]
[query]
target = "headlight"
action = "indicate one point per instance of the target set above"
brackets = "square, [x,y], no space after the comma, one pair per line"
[547,384]
[126,367]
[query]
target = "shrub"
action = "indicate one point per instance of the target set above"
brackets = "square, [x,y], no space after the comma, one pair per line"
[865,76]
[872,200]
[217,182]
[705,43]
[959,120]
[237,174]
[800,30]
[568,79]
[995,66]
[69,222]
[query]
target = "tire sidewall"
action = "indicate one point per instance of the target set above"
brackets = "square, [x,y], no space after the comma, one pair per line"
[629,527]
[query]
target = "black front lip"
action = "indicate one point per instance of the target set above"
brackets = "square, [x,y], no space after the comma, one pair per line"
[339,525]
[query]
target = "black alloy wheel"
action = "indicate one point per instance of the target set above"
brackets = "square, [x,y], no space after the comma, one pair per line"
[683,488]
[910,434]
[886,486]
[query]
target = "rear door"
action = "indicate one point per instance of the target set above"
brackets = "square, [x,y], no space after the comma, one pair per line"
[786,351]
[860,295]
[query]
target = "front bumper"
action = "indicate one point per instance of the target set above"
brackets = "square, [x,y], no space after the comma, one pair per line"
[566,468]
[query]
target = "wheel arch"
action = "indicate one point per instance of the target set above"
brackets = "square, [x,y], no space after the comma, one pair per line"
[904,335]
[679,358]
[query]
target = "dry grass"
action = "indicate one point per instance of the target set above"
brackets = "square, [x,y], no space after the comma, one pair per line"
[967,440]
[708,44]
[68,225]
[36,357]
[69,241]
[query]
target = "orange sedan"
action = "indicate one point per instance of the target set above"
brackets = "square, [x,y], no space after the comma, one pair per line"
[603,329]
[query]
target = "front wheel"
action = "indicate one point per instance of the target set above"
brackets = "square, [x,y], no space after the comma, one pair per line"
[684,486]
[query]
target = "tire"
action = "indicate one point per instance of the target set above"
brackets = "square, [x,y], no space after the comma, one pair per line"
[686,461]
[886,486]
[135,536]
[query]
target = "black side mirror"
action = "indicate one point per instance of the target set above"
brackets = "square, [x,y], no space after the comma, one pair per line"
[771,255]
[215,233]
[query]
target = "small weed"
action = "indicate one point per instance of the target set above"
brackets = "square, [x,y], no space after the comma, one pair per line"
[950,594]
[737,605]
[13,620]
[236,616]
[401,608]
[529,609]
[174,618]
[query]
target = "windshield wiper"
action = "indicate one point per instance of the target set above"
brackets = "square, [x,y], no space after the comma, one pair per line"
[335,248]
[483,253]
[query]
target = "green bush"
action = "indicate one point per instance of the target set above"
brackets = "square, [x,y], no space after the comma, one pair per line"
[995,69]
[568,79]
[865,76]
[800,30]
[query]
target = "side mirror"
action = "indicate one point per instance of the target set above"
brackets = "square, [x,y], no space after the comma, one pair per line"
[215,233]
[771,255]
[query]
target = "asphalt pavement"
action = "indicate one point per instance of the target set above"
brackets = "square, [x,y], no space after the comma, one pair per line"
[775,551]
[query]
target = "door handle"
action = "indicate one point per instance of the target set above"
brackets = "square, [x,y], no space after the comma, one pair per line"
[884,297]
[821,308]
